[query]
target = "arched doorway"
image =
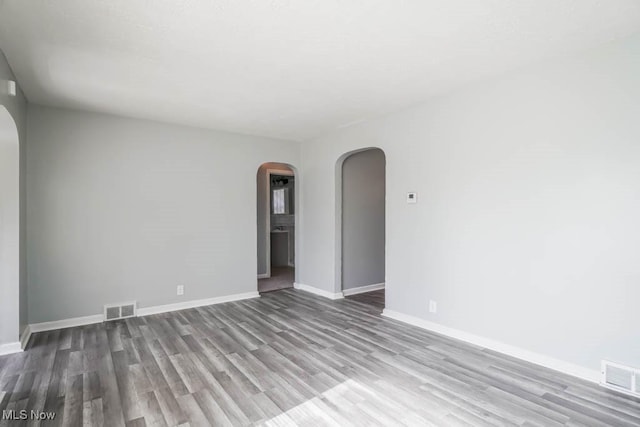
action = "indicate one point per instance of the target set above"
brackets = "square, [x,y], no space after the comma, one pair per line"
[277,217]
[361,193]
[9,234]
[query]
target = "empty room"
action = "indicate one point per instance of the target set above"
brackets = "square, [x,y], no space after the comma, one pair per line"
[309,213]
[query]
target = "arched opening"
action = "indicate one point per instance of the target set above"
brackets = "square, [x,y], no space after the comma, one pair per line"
[360,225]
[9,232]
[277,223]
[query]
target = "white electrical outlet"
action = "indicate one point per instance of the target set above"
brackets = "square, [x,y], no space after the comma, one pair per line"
[433,306]
[180,289]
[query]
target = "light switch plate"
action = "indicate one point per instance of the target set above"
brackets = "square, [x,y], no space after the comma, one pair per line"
[412,197]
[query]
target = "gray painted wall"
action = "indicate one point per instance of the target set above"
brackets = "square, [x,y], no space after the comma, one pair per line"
[9,228]
[526,228]
[121,209]
[263,209]
[13,284]
[363,193]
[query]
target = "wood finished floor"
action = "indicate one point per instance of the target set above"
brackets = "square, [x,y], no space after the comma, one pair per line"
[281,278]
[289,358]
[373,298]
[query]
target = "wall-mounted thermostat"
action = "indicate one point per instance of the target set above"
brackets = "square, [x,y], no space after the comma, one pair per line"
[11,88]
[412,197]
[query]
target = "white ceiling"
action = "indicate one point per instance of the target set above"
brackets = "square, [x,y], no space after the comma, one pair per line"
[289,69]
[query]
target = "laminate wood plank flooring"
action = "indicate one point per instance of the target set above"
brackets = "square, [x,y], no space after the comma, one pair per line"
[281,278]
[289,358]
[373,298]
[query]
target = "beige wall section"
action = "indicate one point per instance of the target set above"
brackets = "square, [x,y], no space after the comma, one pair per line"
[526,228]
[122,209]
[13,304]
[263,209]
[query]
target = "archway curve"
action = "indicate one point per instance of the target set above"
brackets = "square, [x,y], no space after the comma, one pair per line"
[264,241]
[338,232]
[9,233]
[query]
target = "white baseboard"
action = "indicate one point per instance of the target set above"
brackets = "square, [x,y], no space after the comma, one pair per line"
[318,291]
[24,337]
[66,323]
[362,289]
[264,276]
[144,311]
[517,352]
[10,347]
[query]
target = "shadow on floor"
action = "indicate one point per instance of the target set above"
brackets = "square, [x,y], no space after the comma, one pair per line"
[281,278]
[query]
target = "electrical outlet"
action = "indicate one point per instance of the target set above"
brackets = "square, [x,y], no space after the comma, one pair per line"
[180,289]
[433,306]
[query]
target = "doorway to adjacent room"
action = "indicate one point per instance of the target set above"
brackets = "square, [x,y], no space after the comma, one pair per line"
[276,205]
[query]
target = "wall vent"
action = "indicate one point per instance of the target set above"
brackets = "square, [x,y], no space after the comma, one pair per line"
[619,377]
[119,311]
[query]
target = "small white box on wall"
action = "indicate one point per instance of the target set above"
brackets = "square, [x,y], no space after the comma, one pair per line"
[11,88]
[412,197]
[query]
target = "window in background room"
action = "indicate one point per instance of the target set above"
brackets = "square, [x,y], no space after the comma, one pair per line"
[279,205]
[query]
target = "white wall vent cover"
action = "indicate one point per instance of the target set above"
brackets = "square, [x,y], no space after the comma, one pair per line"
[119,311]
[622,378]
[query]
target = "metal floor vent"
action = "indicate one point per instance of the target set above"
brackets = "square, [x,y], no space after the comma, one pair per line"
[622,378]
[119,311]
